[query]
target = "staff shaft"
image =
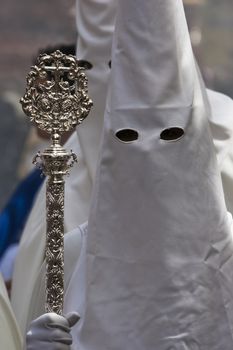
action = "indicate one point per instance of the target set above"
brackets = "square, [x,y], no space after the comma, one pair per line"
[55,245]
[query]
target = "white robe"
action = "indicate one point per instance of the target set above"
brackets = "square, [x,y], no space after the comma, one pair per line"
[10,338]
[156,269]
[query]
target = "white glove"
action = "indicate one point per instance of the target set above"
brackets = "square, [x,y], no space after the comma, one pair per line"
[51,332]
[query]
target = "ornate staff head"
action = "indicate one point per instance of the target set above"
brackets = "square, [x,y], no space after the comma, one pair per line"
[56,94]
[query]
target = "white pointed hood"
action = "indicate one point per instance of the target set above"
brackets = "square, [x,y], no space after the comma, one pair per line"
[159,248]
[95,25]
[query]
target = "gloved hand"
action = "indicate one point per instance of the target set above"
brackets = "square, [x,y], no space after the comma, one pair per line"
[51,332]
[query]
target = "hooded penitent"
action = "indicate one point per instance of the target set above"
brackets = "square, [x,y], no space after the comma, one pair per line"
[95,24]
[95,21]
[158,264]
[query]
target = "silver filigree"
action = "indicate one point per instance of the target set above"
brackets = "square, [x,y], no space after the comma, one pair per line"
[56,95]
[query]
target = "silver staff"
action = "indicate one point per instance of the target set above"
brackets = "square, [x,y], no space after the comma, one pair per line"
[56,100]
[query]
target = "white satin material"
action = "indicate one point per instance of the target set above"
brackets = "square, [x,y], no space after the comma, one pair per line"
[9,333]
[95,24]
[157,269]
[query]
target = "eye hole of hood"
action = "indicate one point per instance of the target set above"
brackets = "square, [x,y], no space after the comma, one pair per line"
[127,135]
[85,64]
[172,134]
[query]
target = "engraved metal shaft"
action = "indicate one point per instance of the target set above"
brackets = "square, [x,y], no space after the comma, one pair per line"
[55,162]
[56,100]
[55,246]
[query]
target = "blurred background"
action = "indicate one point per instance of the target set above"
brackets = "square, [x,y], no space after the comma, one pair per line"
[27,26]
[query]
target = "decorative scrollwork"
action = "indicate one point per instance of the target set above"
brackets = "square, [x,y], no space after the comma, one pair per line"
[56,96]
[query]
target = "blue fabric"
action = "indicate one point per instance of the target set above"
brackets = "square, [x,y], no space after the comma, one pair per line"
[16,211]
